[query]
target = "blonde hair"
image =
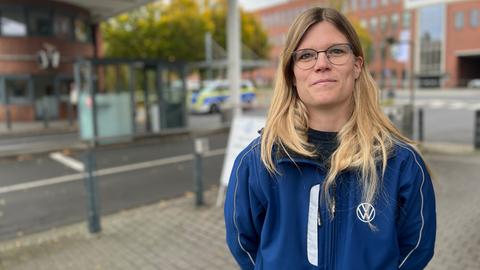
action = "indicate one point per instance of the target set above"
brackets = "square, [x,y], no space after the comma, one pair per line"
[365,140]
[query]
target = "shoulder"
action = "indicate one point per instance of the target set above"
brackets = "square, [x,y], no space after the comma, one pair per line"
[250,156]
[407,159]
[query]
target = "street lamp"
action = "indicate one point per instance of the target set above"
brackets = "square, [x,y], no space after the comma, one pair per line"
[387,42]
[408,109]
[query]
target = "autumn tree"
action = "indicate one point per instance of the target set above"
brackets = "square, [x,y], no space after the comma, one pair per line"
[176,31]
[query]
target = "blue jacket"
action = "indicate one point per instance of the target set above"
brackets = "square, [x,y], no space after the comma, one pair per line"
[278,222]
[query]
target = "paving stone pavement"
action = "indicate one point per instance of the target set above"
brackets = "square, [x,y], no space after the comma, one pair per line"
[175,235]
[172,234]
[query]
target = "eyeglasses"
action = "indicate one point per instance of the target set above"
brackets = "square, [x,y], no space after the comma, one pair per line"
[337,54]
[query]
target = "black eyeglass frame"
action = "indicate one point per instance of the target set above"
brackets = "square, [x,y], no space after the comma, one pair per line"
[318,52]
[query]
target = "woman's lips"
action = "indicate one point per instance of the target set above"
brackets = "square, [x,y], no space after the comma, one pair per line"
[323,81]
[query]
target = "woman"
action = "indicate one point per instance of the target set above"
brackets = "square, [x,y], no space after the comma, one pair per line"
[330,183]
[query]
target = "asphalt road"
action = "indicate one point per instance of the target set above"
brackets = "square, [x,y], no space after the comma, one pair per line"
[48,205]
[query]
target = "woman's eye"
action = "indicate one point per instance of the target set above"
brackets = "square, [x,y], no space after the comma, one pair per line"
[306,56]
[336,51]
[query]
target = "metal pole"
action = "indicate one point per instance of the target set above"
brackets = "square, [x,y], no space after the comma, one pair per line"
[234,54]
[477,130]
[8,117]
[201,146]
[420,125]
[208,54]
[93,215]
[45,112]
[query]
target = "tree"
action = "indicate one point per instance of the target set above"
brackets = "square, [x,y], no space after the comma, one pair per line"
[175,31]
[363,34]
[253,35]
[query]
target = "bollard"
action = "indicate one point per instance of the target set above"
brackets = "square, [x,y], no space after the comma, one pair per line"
[201,147]
[407,121]
[92,193]
[8,117]
[45,114]
[420,124]
[476,136]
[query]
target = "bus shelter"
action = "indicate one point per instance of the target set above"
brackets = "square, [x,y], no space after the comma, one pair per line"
[120,99]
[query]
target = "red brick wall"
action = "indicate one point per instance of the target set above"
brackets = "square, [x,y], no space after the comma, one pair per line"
[18,112]
[467,38]
[18,54]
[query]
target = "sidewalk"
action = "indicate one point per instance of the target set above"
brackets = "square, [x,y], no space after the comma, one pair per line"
[174,235]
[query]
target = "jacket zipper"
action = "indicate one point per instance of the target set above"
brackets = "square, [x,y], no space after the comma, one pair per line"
[333,232]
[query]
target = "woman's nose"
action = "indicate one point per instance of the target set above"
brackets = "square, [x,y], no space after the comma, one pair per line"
[322,61]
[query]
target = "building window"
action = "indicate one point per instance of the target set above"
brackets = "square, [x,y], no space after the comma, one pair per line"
[395,1]
[13,23]
[373,24]
[383,23]
[81,30]
[372,53]
[459,20]
[394,22]
[62,26]
[40,22]
[406,19]
[373,3]
[474,18]
[353,5]
[363,4]
[17,90]
[384,3]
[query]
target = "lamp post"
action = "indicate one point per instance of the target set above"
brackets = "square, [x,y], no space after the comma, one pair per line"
[408,115]
[387,42]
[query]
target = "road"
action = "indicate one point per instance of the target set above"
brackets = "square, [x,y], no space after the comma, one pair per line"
[448,115]
[30,200]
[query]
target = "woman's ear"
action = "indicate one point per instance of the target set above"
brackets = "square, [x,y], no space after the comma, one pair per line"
[357,66]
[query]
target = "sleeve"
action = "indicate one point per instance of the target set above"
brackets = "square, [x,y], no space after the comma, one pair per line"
[244,213]
[416,224]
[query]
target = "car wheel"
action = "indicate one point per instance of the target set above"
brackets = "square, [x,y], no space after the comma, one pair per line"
[214,108]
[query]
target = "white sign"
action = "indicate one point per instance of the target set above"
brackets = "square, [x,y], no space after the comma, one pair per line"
[411,4]
[401,50]
[244,129]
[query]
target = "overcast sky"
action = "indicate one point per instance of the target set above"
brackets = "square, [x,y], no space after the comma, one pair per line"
[256,4]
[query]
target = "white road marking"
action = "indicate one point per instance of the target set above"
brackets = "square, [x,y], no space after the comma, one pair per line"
[68,161]
[437,103]
[108,171]
[457,105]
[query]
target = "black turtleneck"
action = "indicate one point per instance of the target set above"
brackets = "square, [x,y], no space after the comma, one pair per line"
[325,143]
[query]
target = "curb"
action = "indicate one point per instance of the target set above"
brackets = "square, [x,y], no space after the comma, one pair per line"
[447,148]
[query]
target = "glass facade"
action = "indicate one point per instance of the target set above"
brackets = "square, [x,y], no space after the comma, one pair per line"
[13,22]
[40,23]
[431,38]
[23,21]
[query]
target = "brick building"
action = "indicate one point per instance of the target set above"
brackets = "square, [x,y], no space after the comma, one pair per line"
[39,42]
[444,35]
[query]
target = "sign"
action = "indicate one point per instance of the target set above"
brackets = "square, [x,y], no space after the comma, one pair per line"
[244,129]
[401,50]
[411,4]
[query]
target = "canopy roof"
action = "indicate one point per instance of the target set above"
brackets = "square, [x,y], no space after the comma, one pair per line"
[104,9]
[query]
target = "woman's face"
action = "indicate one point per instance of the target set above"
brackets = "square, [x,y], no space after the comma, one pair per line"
[321,84]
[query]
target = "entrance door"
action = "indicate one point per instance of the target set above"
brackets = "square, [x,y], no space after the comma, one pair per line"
[45,98]
[145,96]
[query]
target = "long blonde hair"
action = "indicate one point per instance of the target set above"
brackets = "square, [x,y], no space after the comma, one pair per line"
[365,140]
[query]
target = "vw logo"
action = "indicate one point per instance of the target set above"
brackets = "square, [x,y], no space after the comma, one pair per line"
[365,212]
